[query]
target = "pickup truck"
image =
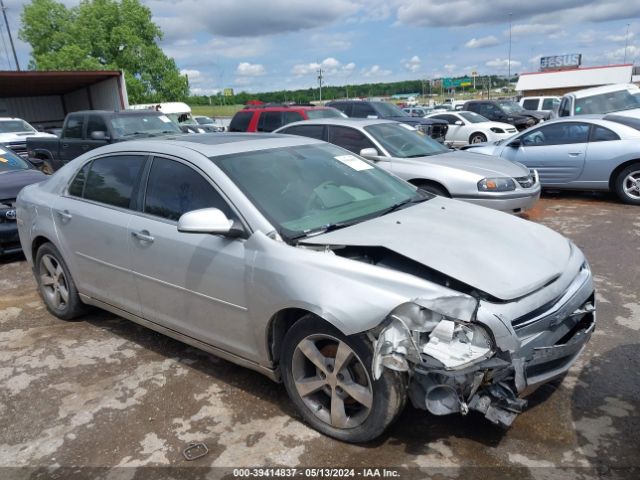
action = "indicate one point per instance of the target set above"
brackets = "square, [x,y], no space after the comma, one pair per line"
[84,131]
[14,133]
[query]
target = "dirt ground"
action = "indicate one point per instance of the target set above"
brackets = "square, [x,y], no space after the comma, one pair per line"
[98,397]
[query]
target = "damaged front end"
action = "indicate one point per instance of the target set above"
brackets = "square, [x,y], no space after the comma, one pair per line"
[452,360]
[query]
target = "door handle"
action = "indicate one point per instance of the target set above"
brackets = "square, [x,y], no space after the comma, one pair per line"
[65,145]
[143,236]
[574,154]
[64,215]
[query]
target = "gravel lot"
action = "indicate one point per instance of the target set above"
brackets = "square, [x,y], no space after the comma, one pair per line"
[106,393]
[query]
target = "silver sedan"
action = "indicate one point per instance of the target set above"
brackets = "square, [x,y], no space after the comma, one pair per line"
[579,153]
[311,265]
[490,182]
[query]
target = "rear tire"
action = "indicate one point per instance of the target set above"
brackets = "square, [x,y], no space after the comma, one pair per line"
[342,402]
[477,138]
[56,287]
[627,184]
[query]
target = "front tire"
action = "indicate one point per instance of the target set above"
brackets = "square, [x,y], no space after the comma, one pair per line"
[328,378]
[627,184]
[55,284]
[477,138]
[47,167]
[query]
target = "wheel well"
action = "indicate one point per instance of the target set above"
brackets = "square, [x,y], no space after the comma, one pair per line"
[618,169]
[36,244]
[477,133]
[279,324]
[420,181]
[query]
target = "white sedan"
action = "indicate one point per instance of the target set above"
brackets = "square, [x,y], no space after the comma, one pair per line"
[469,127]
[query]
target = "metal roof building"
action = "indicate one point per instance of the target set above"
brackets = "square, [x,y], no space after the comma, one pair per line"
[563,81]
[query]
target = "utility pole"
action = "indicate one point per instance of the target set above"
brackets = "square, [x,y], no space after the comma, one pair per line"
[509,75]
[13,48]
[320,77]
[626,44]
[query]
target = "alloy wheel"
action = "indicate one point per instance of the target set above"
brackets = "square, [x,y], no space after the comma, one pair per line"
[631,185]
[53,282]
[332,381]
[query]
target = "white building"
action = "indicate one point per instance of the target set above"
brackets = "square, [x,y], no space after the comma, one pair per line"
[560,82]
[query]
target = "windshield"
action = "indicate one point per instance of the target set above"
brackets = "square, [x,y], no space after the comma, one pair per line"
[311,188]
[473,117]
[607,102]
[325,113]
[10,161]
[389,110]
[127,125]
[204,120]
[403,141]
[15,126]
[510,106]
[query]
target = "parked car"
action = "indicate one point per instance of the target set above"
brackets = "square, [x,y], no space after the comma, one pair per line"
[619,98]
[179,113]
[313,266]
[209,124]
[470,127]
[84,131]
[583,153]
[501,111]
[270,117]
[15,173]
[396,147]
[436,129]
[14,133]
[541,104]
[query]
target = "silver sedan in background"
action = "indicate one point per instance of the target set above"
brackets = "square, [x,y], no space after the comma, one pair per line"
[579,153]
[490,182]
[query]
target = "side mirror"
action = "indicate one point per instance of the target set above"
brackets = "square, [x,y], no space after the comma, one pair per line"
[515,143]
[369,153]
[99,135]
[458,122]
[207,220]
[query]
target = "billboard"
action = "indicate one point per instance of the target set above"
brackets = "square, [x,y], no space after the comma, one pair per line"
[227,92]
[560,62]
[456,82]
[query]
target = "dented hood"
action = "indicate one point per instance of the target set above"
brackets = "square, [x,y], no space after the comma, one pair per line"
[500,254]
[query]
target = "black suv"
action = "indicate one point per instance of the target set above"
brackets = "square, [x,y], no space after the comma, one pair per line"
[505,112]
[436,129]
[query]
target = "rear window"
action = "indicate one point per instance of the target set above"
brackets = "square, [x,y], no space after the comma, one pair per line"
[550,103]
[111,179]
[240,122]
[312,131]
[530,104]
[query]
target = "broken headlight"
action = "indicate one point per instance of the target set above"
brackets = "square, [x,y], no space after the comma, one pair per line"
[457,345]
[496,184]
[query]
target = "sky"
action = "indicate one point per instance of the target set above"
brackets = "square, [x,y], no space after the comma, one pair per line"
[265,45]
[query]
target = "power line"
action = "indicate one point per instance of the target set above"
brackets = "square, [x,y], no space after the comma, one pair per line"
[6,21]
[4,45]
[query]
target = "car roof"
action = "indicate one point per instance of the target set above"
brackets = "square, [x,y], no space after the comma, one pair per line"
[341,122]
[587,92]
[119,112]
[268,108]
[214,144]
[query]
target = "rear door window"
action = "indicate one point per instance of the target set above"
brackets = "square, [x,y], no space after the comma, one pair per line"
[363,110]
[270,121]
[174,188]
[240,122]
[76,187]
[111,180]
[530,104]
[290,117]
[73,128]
[550,103]
[450,119]
[557,134]
[601,134]
[311,131]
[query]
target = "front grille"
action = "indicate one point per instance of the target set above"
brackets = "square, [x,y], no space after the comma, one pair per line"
[527,182]
[7,210]
[19,148]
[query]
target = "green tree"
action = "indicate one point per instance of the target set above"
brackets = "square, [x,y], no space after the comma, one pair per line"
[103,35]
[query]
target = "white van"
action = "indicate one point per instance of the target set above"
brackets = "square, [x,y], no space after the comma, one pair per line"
[542,104]
[622,99]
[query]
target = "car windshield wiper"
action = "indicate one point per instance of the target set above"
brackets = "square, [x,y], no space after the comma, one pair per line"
[136,133]
[418,198]
[320,230]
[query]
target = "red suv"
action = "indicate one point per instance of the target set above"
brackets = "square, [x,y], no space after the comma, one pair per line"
[267,118]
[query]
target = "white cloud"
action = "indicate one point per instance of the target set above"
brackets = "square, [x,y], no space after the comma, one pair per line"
[503,64]
[375,71]
[620,38]
[413,64]
[193,75]
[246,69]
[524,29]
[450,67]
[482,42]
[330,66]
[331,41]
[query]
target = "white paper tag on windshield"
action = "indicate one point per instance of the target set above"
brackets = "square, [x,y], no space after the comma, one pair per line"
[353,162]
[165,119]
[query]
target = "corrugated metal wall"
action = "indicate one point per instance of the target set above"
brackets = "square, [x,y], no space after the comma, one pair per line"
[43,110]
[106,95]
